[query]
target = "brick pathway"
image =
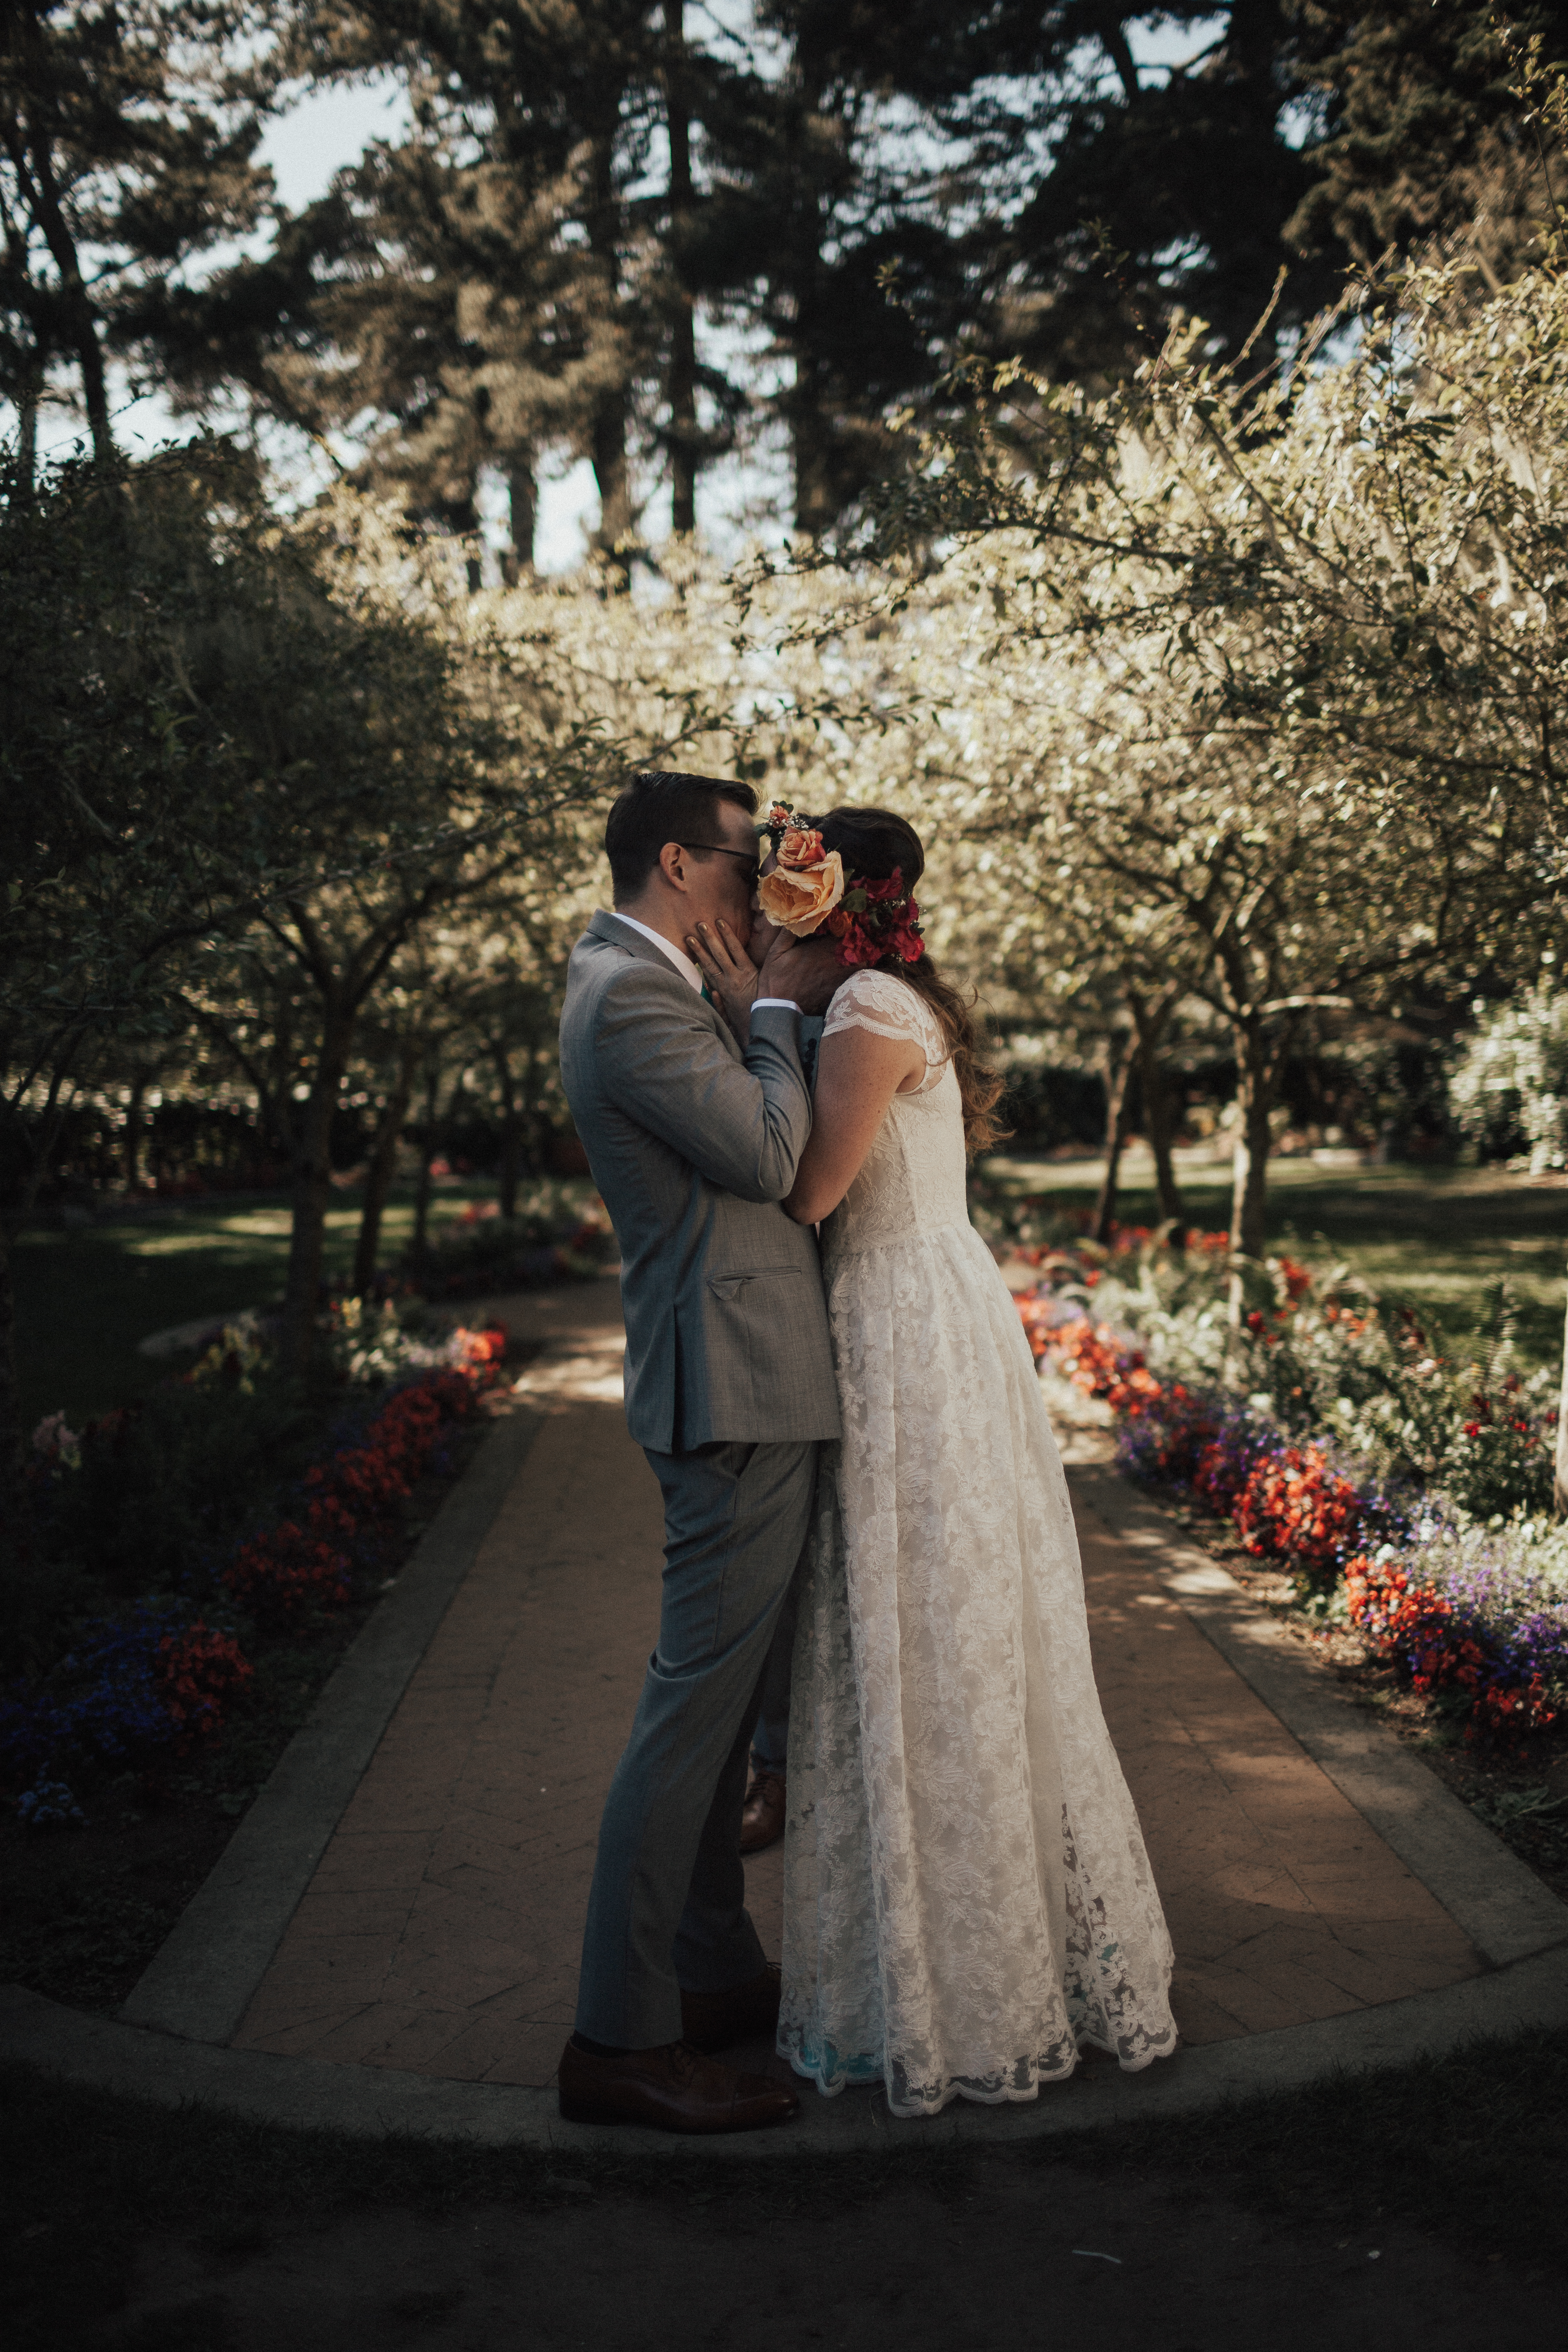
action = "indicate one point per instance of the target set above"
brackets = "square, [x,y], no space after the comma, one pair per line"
[441,1930]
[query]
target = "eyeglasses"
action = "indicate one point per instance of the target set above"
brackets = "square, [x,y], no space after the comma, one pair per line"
[748,857]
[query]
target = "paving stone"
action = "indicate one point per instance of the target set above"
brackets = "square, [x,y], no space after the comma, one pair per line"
[441,1932]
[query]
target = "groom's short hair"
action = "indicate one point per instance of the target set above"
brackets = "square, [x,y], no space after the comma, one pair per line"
[662,804]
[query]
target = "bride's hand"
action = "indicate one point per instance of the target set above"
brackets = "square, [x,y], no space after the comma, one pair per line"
[731,974]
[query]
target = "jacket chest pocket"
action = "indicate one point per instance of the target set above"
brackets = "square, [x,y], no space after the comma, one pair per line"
[732,1287]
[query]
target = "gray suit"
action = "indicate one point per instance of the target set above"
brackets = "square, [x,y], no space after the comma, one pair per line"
[729,1387]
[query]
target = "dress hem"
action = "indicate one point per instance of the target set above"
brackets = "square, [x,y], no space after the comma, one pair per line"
[956,2090]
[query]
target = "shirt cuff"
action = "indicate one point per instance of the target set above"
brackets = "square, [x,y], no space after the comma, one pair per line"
[775,1004]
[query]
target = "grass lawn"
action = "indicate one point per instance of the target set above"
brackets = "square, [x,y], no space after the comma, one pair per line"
[86,1297]
[1436,1237]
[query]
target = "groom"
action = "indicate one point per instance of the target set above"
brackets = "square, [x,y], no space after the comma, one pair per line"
[693,1141]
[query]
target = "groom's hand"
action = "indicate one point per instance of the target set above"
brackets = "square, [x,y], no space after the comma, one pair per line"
[732,977]
[806,969]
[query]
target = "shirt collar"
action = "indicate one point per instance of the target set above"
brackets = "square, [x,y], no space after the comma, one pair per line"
[682,962]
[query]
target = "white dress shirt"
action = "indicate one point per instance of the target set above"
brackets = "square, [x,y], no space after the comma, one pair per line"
[687,968]
[678,956]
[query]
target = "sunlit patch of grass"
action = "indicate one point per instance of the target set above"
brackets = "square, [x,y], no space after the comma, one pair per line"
[1436,1238]
[86,1297]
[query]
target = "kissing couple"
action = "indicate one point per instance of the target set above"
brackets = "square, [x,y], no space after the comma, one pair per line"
[968,1903]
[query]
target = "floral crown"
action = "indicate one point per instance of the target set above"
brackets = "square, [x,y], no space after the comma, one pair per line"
[809,891]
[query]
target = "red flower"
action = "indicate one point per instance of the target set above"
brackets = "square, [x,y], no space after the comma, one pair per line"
[196,1671]
[1294,1506]
[355,1498]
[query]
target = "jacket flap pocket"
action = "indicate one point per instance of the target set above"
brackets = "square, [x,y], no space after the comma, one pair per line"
[730,1286]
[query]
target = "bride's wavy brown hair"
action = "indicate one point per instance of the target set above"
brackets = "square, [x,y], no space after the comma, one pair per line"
[873,842]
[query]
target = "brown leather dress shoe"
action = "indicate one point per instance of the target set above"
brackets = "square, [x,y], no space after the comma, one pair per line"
[673,2088]
[762,1819]
[743,2013]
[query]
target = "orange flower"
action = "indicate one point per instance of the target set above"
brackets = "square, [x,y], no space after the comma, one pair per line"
[799,847]
[800,900]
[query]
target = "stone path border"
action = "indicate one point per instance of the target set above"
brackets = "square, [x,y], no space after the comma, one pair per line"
[1505,1910]
[374,2101]
[201,1982]
[168,2046]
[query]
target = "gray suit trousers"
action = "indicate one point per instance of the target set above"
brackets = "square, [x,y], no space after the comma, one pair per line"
[668,1907]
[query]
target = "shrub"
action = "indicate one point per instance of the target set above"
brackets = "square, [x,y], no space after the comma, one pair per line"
[1478,1615]
[1509,1086]
[160,1490]
[197,1671]
[1469,1600]
[352,1499]
[282,1578]
[561,1232]
[146,1685]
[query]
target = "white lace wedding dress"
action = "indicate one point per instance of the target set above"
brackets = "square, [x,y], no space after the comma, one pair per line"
[967,1899]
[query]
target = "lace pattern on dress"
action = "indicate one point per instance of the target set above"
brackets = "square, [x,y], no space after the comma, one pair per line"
[889,1008]
[968,1901]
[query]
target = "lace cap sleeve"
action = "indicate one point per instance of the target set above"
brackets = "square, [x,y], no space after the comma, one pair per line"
[876,1001]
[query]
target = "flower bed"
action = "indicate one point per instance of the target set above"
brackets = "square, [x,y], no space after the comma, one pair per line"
[1403,1493]
[150,1683]
[153,1682]
[351,1499]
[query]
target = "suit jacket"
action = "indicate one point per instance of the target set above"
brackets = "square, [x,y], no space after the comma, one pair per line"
[694,1144]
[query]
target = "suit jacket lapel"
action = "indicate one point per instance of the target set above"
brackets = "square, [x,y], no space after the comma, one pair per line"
[616,934]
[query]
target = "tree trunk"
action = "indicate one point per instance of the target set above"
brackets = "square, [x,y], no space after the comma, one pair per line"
[612,478]
[420,1239]
[511,1133]
[808,406]
[29,392]
[1161,1113]
[312,1194]
[31,1157]
[683,326]
[811,440]
[11,1431]
[1151,1022]
[77,305]
[607,441]
[1117,1070]
[1560,1459]
[522,499]
[132,1150]
[380,1170]
[1250,1186]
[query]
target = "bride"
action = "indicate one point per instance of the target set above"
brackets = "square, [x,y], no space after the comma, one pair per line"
[967,1898]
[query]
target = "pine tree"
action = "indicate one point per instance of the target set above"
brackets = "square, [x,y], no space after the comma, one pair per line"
[1421,134]
[128,137]
[477,287]
[832,226]
[1158,193]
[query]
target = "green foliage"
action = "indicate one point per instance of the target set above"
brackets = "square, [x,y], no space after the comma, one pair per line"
[1509,1085]
[162,1490]
[1420,132]
[129,147]
[1462,1419]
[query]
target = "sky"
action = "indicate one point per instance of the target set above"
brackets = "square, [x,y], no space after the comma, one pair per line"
[325,130]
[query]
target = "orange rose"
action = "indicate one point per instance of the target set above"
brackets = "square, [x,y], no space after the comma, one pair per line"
[799,848]
[800,900]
